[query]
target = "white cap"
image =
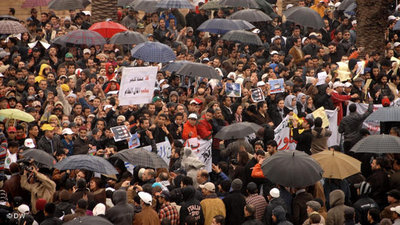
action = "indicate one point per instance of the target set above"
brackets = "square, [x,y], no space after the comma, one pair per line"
[347,84]
[86,50]
[256,31]
[274,192]
[396,209]
[260,83]
[107,107]
[192,116]
[145,197]
[391,17]
[353,22]
[337,4]
[99,209]
[23,209]
[208,186]
[165,86]
[87,13]
[1,75]
[67,131]
[29,143]
[71,95]
[337,84]
[396,44]
[274,52]
[288,6]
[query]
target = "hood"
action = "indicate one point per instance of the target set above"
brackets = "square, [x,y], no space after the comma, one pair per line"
[280,213]
[42,67]
[119,197]
[109,75]
[188,193]
[336,198]
[288,101]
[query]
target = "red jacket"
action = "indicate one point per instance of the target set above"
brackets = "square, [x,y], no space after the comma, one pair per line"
[187,128]
[338,99]
[204,128]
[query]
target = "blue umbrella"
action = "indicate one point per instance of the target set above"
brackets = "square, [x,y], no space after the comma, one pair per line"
[153,52]
[175,4]
[222,26]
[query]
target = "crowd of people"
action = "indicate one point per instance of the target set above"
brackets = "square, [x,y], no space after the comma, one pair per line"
[72,92]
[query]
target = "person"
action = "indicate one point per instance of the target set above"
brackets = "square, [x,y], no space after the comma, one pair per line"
[122,212]
[313,208]
[211,204]
[320,137]
[363,205]
[191,206]
[304,139]
[50,143]
[189,128]
[393,198]
[373,216]
[274,201]
[249,214]
[379,181]
[148,215]
[256,200]
[279,216]
[338,98]
[49,211]
[218,220]
[167,211]
[299,206]
[336,212]
[80,210]
[234,202]
[395,215]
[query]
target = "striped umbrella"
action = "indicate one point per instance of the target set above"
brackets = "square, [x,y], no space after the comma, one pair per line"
[221,26]
[385,114]
[378,144]
[35,3]
[83,37]
[68,4]
[107,28]
[252,4]
[153,52]
[251,15]
[11,27]
[175,4]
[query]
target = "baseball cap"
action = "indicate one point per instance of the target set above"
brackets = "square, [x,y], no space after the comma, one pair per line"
[274,192]
[195,101]
[29,143]
[72,95]
[140,26]
[396,44]
[69,55]
[59,103]
[12,129]
[260,83]
[47,127]
[86,50]
[23,209]
[396,209]
[189,29]
[208,186]
[348,84]
[156,98]
[192,116]
[145,197]
[67,131]
[337,84]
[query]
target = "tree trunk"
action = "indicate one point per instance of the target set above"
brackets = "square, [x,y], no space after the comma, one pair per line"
[371,24]
[104,9]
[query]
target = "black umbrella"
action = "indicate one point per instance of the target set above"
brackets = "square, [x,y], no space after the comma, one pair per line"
[87,162]
[127,38]
[292,168]
[304,16]
[174,66]
[385,114]
[265,6]
[221,26]
[378,144]
[211,5]
[153,52]
[237,130]
[68,4]
[243,36]
[192,69]
[40,156]
[11,27]
[89,220]
[345,4]
[148,6]
[250,15]
[141,157]
[252,4]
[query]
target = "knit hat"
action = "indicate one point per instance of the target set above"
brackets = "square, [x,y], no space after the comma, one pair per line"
[365,188]
[274,192]
[236,184]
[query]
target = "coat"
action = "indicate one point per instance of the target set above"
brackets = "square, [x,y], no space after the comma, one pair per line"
[45,189]
[81,147]
[45,145]
[204,128]
[275,202]
[78,213]
[303,140]
[234,205]
[190,206]
[351,124]
[338,99]
[280,214]
[122,212]
[300,208]
[320,140]
[379,181]
[146,217]
[191,163]
[187,128]
[212,206]
[336,213]
[13,187]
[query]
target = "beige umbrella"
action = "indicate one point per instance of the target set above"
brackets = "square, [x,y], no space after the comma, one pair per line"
[337,165]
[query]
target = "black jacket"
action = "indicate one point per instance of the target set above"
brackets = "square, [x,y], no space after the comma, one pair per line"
[45,145]
[190,206]
[379,181]
[51,221]
[271,206]
[122,213]
[252,221]
[361,207]
[234,205]
[303,140]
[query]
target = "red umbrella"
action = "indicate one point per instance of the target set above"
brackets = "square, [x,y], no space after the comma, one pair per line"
[107,28]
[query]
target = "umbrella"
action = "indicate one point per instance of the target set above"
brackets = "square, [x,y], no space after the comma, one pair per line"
[68,4]
[35,3]
[141,157]
[385,114]
[59,40]
[211,5]
[337,165]
[153,52]
[107,28]
[192,69]
[304,16]
[351,9]
[124,3]
[345,4]
[237,130]
[240,3]
[17,114]
[242,36]
[221,26]
[148,6]
[11,27]
[8,17]
[89,220]
[251,15]
[292,168]
[265,6]
[378,144]
[174,66]
[128,38]
[84,37]
[40,156]
[87,162]
[175,4]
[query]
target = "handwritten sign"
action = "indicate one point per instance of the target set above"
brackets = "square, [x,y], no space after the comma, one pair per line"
[257,95]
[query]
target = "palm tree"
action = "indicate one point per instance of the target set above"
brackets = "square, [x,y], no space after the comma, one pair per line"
[104,9]
[371,24]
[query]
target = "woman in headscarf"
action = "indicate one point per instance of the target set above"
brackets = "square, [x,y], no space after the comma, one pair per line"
[302,103]
[291,105]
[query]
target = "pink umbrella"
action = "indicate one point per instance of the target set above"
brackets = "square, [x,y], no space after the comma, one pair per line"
[35,3]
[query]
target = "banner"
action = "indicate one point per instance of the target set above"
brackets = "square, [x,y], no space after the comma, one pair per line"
[374,127]
[334,139]
[202,149]
[137,85]
[163,150]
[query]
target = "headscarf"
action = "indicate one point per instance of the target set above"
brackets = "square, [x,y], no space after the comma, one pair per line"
[288,103]
[299,97]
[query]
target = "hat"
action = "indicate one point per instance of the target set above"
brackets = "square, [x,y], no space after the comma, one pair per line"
[65,87]
[69,55]
[86,50]
[29,143]
[99,209]
[107,107]
[59,103]
[274,192]
[189,29]
[251,187]
[192,116]
[205,60]
[391,17]
[385,101]
[337,84]
[348,84]
[67,131]
[88,93]
[396,209]
[165,86]
[87,13]
[145,197]
[196,101]
[47,127]
[358,79]
[236,184]
[208,186]
[71,95]
[12,129]
[274,52]
[260,83]
[156,98]
[288,6]
[314,205]
[140,26]
[23,209]
[394,193]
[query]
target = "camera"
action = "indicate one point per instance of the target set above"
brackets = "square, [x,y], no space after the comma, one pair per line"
[25,164]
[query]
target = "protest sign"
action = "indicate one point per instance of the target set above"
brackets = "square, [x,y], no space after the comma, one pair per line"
[134,141]
[202,149]
[320,112]
[137,85]
[233,90]
[321,78]
[276,86]
[120,133]
[257,95]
